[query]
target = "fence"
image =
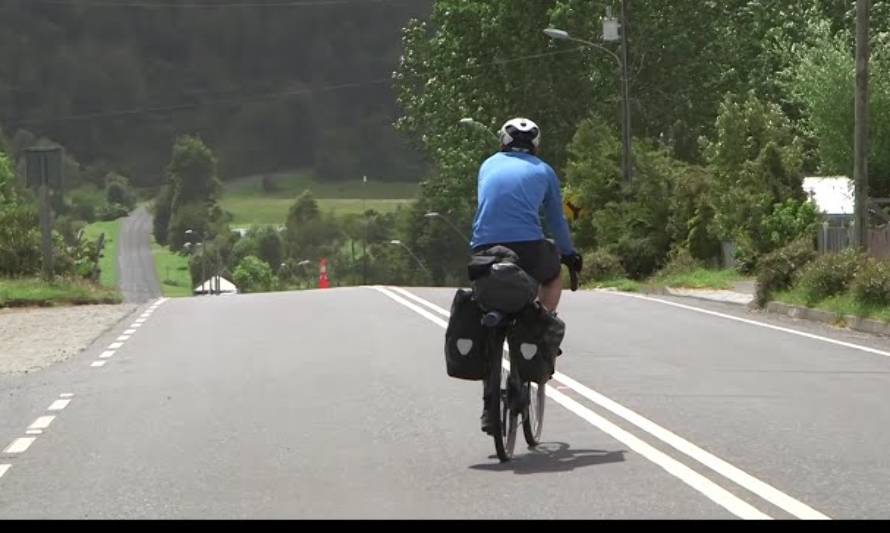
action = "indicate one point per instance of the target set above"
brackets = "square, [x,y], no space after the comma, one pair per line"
[834,239]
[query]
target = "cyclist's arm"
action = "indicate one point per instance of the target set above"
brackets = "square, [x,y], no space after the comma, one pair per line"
[556,220]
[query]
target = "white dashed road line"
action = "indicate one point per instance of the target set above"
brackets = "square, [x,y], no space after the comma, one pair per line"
[58,405]
[20,445]
[43,422]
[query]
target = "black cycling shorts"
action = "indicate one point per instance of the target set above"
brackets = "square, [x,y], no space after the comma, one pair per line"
[540,259]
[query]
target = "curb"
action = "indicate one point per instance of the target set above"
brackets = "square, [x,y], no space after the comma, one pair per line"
[855,323]
[663,291]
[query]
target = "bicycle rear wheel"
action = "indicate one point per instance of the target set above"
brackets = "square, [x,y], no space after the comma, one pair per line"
[501,398]
[533,414]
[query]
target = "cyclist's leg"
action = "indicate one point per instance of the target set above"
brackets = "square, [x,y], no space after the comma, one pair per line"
[549,294]
[541,260]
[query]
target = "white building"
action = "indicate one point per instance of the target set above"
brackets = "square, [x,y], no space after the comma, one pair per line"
[833,196]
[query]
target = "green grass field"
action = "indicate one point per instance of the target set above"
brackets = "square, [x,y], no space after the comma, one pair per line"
[108,263]
[290,184]
[248,210]
[29,292]
[173,271]
[250,204]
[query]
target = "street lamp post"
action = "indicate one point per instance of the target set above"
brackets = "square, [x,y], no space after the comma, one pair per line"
[397,242]
[191,245]
[609,33]
[303,264]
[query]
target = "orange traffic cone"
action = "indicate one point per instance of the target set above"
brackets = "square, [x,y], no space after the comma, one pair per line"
[323,282]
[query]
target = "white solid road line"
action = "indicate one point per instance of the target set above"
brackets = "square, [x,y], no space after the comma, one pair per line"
[734,474]
[709,489]
[20,445]
[419,310]
[753,323]
[727,470]
[716,493]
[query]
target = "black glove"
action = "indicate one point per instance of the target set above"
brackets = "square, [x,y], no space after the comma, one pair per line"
[573,261]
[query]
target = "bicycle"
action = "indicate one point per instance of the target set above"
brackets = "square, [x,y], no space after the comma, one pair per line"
[507,393]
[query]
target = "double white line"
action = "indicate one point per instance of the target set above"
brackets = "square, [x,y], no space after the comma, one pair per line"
[705,486]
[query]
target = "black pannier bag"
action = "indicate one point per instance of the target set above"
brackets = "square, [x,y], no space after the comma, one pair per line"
[498,282]
[465,338]
[534,343]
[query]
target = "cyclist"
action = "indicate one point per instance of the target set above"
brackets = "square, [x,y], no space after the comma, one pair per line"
[513,187]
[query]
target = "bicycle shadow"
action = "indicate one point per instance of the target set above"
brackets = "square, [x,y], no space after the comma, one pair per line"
[552,457]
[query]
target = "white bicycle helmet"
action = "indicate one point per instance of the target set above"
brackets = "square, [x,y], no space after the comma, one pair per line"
[520,134]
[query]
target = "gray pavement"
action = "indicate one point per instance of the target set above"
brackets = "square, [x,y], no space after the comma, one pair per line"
[335,404]
[138,276]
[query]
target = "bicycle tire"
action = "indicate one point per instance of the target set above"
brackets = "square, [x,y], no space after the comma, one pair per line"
[509,414]
[504,433]
[533,414]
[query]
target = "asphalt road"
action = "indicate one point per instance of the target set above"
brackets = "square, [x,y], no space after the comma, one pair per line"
[138,276]
[335,404]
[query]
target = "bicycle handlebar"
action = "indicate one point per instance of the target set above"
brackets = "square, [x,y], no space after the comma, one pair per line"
[573,271]
[573,274]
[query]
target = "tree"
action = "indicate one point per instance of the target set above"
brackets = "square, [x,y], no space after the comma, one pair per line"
[757,161]
[593,175]
[821,80]
[193,217]
[469,60]
[263,242]
[163,210]
[256,82]
[118,191]
[19,240]
[253,275]
[691,223]
[193,172]
[304,209]
[7,180]
[308,234]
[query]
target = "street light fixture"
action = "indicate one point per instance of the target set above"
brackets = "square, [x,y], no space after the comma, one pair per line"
[436,214]
[397,242]
[609,33]
[470,122]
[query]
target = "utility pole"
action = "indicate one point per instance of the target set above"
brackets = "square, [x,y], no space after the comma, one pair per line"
[628,156]
[860,165]
[365,238]
[44,170]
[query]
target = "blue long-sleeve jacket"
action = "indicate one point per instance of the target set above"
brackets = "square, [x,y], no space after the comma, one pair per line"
[513,187]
